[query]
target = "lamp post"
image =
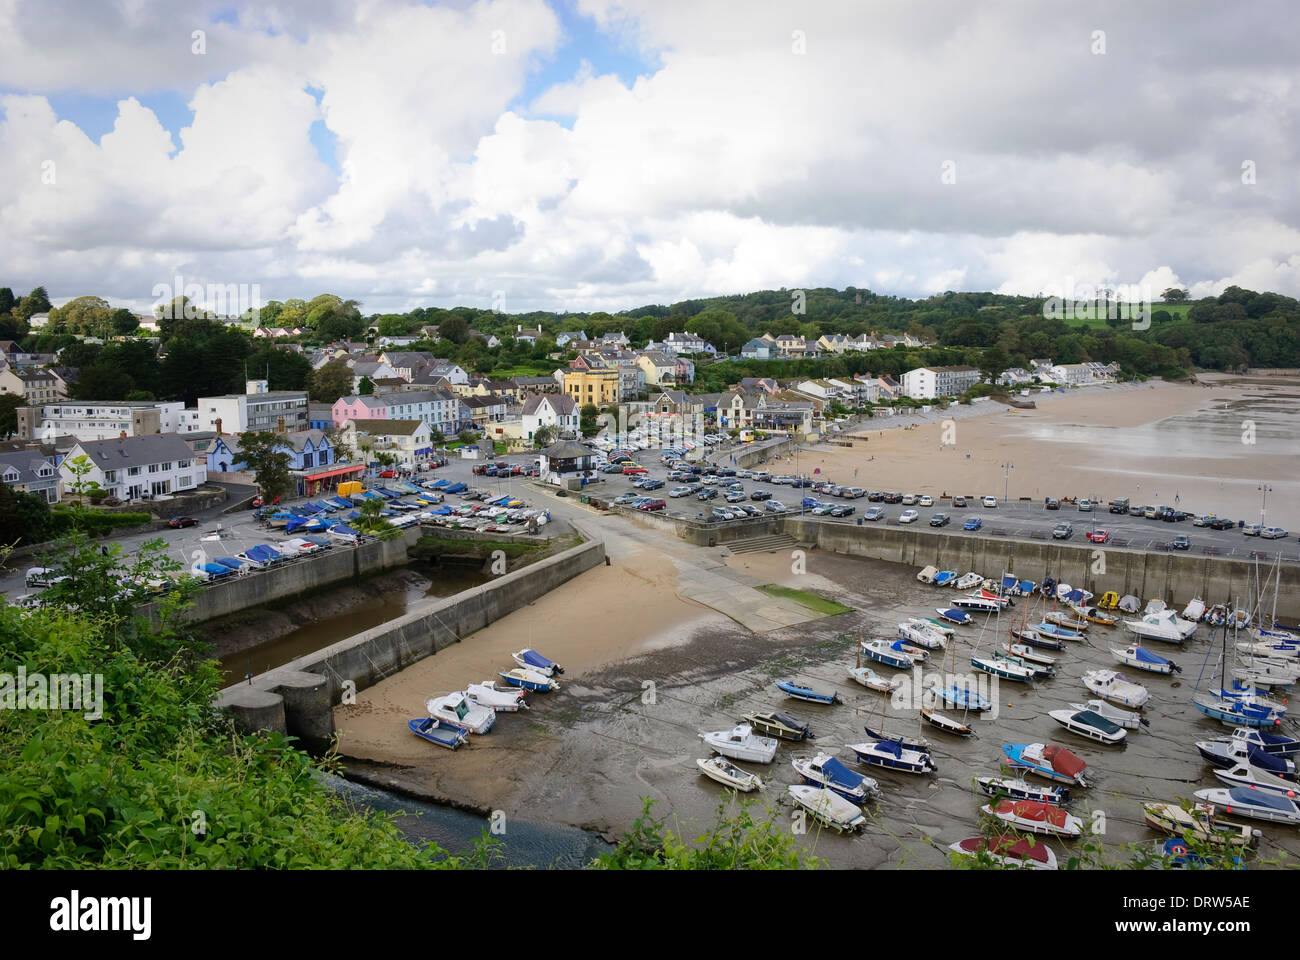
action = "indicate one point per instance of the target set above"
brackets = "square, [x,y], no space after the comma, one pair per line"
[1006,480]
[1264,490]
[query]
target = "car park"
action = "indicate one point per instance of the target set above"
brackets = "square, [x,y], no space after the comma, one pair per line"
[1180,542]
[972,523]
[842,510]
[1098,536]
[774,506]
[908,516]
[1062,531]
[990,501]
[874,513]
[940,520]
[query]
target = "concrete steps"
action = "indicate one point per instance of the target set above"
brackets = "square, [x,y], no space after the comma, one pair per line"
[770,543]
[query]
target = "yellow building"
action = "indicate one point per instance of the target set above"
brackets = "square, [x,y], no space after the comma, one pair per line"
[599,387]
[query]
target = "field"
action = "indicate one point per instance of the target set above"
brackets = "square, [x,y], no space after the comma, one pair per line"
[1177,310]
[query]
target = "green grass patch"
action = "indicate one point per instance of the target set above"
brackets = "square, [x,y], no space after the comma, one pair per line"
[805,598]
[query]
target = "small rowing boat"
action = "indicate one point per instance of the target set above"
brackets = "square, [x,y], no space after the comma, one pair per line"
[874,681]
[1127,719]
[437,731]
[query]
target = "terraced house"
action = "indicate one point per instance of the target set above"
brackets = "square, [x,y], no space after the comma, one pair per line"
[29,471]
[136,468]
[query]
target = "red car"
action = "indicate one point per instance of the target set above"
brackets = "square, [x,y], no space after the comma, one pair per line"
[177,522]
[653,505]
[1099,536]
[259,501]
[632,471]
[388,474]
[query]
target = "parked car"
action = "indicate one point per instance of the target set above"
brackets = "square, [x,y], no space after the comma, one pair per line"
[908,516]
[1062,531]
[926,501]
[774,506]
[760,495]
[1136,511]
[653,504]
[1150,512]
[707,493]
[874,513]
[990,501]
[909,499]
[972,523]
[735,496]
[894,497]
[1202,520]
[652,485]
[822,509]
[842,510]
[1098,536]
[959,501]
[1221,523]
[875,496]
[679,492]
[1252,529]
[853,493]
[1085,505]
[1051,503]
[626,499]
[1273,533]
[177,523]
[629,470]
[940,520]
[1180,542]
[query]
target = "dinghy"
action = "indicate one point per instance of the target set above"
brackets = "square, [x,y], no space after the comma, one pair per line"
[953,615]
[1116,688]
[1128,719]
[826,771]
[933,625]
[896,654]
[874,681]
[1198,823]
[919,744]
[1008,850]
[946,724]
[1253,804]
[1136,655]
[921,636]
[436,731]
[966,581]
[1028,654]
[960,696]
[892,755]
[1049,761]
[945,578]
[1252,777]
[729,775]
[488,694]
[530,659]
[1094,615]
[827,806]
[529,680]
[1041,671]
[927,574]
[459,710]
[1060,633]
[1091,725]
[1002,668]
[1031,816]
[741,743]
[1109,600]
[780,725]
[800,692]
[1006,787]
[1194,610]
[1035,639]
[1069,623]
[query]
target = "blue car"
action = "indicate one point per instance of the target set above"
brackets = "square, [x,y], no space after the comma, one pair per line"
[972,523]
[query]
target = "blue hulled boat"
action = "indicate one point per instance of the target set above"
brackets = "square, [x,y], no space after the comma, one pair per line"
[800,692]
[437,731]
[892,755]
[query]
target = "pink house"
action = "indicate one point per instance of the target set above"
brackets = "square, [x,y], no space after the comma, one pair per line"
[359,408]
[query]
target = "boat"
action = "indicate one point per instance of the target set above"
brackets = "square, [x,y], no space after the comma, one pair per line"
[1109,600]
[919,744]
[1049,761]
[1136,655]
[530,659]
[892,755]
[1253,804]
[827,806]
[968,580]
[1236,711]
[436,731]
[960,696]
[921,636]
[1227,752]
[1022,790]
[1162,625]
[826,771]
[1091,725]
[1069,623]
[459,709]
[1198,823]
[977,604]
[1002,668]
[800,692]
[1194,610]
[1041,671]
[741,743]
[1116,688]
[1248,774]
[488,694]
[1128,719]
[729,775]
[1260,678]
[1129,603]
[1265,647]
[1276,744]
[1027,653]
[945,578]
[874,681]
[927,574]
[933,625]
[529,680]
[1094,615]
[895,654]
[953,615]
[1171,853]
[946,724]
[780,725]
[995,597]
[1008,850]
[1060,633]
[1035,639]
[1154,606]
[1031,816]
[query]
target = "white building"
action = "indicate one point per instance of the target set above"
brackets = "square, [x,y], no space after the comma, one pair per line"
[929,383]
[551,410]
[259,409]
[134,468]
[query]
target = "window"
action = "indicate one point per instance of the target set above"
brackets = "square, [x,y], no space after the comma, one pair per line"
[133,471]
[184,481]
[153,468]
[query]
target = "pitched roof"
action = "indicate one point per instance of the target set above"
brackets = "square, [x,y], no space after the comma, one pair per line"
[113,454]
[26,462]
[396,428]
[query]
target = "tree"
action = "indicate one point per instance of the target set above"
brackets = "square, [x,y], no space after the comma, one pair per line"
[455,328]
[544,437]
[992,362]
[1174,295]
[7,300]
[587,420]
[467,437]
[284,369]
[24,517]
[35,302]
[102,381]
[84,315]
[330,382]
[80,467]
[123,322]
[366,387]
[9,404]
[265,455]
[372,521]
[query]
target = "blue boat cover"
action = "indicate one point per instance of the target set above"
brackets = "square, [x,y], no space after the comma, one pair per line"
[345,530]
[891,747]
[1026,586]
[1075,596]
[1008,582]
[1259,798]
[533,658]
[1270,738]
[840,775]
[1146,656]
[231,562]
[1266,761]
[216,570]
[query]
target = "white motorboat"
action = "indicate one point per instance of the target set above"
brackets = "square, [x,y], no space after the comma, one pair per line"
[824,770]
[1019,789]
[729,775]
[1008,850]
[1253,804]
[894,654]
[1154,606]
[1227,752]
[1091,725]
[969,580]
[1136,655]
[1031,816]
[1128,719]
[1248,775]
[459,709]
[488,694]
[1116,688]
[934,626]
[892,755]
[977,603]
[1025,652]
[827,806]
[921,636]
[1162,625]
[741,743]
[1194,610]
[874,681]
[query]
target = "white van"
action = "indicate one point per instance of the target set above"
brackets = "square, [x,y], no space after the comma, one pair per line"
[42,577]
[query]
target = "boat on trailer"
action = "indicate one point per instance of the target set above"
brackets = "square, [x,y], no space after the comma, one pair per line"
[1008,850]
[1116,688]
[1253,804]
[799,692]
[729,775]
[1049,761]
[1032,816]
[1128,719]
[946,724]
[828,807]
[1136,655]
[827,771]
[1198,823]
[892,755]
[1018,789]
[437,731]
[1091,725]
[741,743]
[780,725]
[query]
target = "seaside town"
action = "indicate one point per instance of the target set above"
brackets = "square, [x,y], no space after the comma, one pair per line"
[530,455]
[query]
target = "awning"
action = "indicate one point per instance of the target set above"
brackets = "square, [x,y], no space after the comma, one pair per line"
[335,473]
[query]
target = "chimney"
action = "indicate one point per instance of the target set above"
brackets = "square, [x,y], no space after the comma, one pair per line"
[218,425]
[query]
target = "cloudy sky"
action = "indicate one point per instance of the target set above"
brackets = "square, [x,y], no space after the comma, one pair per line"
[602,154]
